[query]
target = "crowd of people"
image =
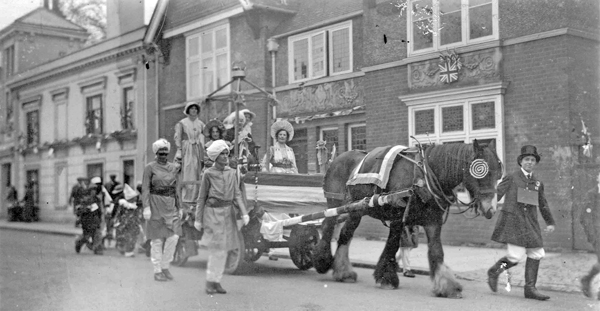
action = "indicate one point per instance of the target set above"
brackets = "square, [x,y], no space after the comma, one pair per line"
[202,186]
[209,176]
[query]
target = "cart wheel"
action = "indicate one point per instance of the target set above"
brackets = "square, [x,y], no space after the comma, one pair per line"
[235,257]
[302,241]
[180,256]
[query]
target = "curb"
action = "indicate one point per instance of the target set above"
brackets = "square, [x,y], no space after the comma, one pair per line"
[38,230]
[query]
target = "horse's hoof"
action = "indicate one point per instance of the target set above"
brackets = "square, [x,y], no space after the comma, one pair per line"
[346,277]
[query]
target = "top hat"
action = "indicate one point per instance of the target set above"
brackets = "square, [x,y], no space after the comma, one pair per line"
[528,150]
[282,125]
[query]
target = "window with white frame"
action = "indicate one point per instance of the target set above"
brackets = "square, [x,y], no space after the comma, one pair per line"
[357,137]
[94,115]
[460,115]
[207,61]
[323,52]
[33,127]
[440,24]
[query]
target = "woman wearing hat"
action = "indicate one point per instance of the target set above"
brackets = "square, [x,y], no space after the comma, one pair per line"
[189,140]
[215,213]
[518,226]
[280,158]
[160,211]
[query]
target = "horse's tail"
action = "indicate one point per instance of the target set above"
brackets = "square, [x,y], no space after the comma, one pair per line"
[334,188]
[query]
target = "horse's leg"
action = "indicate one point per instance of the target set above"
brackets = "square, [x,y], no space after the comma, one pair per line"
[342,268]
[322,258]
[444,282]
[386,272]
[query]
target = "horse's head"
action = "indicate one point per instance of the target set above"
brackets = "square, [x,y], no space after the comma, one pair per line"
[482,178]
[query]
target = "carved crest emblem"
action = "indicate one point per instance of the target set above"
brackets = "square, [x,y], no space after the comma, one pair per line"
[450,65]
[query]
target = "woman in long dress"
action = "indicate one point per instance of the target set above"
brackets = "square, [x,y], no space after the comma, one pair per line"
[189,139]
[280,158]
[163,226]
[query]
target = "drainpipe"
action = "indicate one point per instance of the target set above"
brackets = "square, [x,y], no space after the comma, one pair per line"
[272,47]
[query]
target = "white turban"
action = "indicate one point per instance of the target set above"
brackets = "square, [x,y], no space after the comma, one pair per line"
[216,148]
[159,144]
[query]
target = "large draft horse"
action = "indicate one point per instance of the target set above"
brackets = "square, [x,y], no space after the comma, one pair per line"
[446,166]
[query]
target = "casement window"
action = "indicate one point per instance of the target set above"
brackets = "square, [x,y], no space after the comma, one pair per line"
[357,137]
[323,52]
[460,115]
[330,136]
[95,170]
[435,25]
[207,61]
[127,104]
[94,115]
[33,127]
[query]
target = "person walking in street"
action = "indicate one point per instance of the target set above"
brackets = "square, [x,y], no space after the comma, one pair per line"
[590,220]
[518,226]
[189,139]
[91,216]
[409,239]
[77,193]
[12,203]
[162,215]
[216,215]
[127,222]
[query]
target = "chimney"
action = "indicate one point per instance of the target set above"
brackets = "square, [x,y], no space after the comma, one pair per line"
[47,4]
[123,16]
[56,7]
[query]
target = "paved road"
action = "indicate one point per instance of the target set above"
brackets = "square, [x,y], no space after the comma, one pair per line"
[42,272]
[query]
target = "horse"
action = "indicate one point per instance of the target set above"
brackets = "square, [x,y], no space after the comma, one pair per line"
[446,166]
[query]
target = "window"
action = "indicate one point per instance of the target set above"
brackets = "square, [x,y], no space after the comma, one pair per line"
[9,60]
[357,137]
[127,116]
[460,115]
[207,61]
[330,136]
[440,24]
[32,187]
[9,113]
[129,173]
[95,170]
[93,120]
[33,128]
[323,52]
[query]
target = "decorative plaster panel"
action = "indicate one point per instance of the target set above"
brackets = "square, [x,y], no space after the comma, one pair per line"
[322,97]
[480,66]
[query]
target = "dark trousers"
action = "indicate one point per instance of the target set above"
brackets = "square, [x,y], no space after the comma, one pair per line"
[90,223]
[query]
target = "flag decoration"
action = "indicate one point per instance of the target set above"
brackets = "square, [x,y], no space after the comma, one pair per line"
[450,65]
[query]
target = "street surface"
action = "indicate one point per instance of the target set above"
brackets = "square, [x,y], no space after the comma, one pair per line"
[42,272]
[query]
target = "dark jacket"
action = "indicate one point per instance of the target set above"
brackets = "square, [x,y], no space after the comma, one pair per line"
[518,222]
[590,218]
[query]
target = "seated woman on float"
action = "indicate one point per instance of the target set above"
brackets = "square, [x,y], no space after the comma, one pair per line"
[280,157]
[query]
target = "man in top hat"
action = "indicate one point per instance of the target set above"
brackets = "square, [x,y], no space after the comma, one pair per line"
[518,226]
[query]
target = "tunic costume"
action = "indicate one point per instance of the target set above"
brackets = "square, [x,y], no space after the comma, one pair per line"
[158,193]
[189,139]
[215,209]
[518,222]
[280,159]
[163,228]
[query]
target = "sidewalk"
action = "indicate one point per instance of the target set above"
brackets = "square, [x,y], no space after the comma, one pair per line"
[558,271]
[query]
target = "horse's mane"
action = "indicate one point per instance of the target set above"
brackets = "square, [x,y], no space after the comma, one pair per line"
[449,161]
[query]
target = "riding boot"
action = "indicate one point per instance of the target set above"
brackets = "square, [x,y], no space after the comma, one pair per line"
[531,274]
[219,289]
[494,272]
[210,288]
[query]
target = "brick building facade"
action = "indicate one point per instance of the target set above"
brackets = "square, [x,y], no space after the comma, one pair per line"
[367,73]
